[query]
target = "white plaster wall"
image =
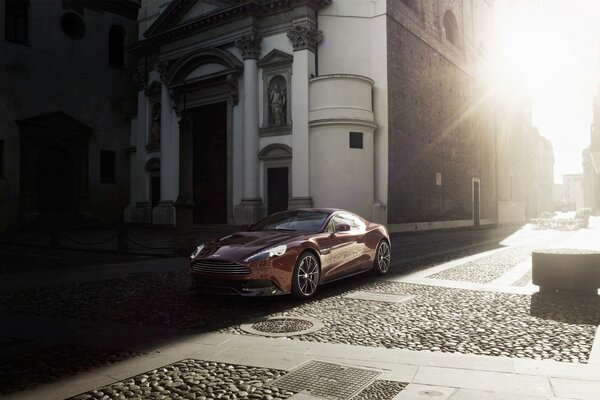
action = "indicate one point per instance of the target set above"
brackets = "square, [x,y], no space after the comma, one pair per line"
[341,177]
[355,42]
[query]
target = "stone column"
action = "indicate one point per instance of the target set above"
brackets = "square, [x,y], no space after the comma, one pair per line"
[184,241]
[164,213]
[304,39]
[251,207]
[141,212]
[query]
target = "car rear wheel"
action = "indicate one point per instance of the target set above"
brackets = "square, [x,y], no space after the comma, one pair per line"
[381,263]
[306,276]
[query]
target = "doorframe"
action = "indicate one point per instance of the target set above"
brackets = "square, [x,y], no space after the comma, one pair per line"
[476,221]
[275,155]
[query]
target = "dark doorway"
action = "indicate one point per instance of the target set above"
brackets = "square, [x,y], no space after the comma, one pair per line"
[55,188]
[476,211]
[277,189]
[210,164]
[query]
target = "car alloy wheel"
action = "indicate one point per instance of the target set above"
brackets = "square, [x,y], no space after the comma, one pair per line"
[306,276]
[382,258]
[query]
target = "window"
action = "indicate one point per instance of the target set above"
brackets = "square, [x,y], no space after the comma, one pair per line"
[1,159]
[16,20]
[451,28]
[356,140]
[72,25]
[107,166]
[116,47]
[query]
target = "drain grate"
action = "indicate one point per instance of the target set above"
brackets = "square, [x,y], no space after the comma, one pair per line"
[379,296]
[283,326]
[322,379]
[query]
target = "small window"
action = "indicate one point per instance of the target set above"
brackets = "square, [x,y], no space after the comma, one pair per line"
[72,25]
[1,159]
[16,21]
[107,166]
[356,140]
[116,47]
[451,28]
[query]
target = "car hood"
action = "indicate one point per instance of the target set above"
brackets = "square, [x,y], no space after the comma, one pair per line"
[240,245]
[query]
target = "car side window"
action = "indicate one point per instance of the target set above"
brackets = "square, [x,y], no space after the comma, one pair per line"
[356,224]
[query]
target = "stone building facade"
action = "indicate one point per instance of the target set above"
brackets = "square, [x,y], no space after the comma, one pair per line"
[66,98]
[591,163]
[379,107]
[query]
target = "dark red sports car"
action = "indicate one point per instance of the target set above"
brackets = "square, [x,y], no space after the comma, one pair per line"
[291,252]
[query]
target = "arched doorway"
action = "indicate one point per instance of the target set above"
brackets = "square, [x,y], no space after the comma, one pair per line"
[55,187]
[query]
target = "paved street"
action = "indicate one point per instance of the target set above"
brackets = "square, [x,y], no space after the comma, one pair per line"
[456,318]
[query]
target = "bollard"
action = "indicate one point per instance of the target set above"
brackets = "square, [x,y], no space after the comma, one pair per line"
[122,239]
[11,234]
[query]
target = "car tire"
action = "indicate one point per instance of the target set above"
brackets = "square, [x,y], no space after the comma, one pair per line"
[306,275]
[381,263]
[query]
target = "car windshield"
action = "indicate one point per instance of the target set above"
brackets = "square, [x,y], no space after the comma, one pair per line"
[303,221]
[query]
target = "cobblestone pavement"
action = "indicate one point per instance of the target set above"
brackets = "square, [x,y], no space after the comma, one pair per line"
[197,379]
[487,269]
[438,319]
[458,321]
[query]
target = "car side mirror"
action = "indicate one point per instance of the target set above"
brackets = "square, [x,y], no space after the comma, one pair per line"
[342,228]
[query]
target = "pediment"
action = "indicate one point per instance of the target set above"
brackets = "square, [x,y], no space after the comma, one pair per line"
[55,121]
[275,58]
[276,151]
[179,12]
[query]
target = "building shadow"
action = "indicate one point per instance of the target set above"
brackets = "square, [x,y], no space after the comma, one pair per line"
[567,309]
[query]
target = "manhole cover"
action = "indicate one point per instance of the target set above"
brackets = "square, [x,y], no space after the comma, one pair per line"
[283,326]
[322,379]
[379,296]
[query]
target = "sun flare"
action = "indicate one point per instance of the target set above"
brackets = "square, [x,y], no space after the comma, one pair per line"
[550,48]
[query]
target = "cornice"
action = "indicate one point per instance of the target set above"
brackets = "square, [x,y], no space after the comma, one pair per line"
[250,7]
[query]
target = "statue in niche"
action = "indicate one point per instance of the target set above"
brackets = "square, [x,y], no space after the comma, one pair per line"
[155,126]
[277,101]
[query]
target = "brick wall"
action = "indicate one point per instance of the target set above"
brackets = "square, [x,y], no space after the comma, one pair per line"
[436,125]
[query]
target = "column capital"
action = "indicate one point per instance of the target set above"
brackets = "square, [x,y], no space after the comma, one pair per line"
[249,45]
[162,67]
[140,81]
[305,37]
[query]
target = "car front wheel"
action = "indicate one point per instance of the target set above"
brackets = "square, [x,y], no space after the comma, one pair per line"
[306,276]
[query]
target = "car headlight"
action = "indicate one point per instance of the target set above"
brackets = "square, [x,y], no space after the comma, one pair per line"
[197,251]
[267,253]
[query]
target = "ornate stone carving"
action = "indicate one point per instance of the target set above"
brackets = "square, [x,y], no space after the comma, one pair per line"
[155,126]
[249,45]
[140,81]
[305,37]
[163,69]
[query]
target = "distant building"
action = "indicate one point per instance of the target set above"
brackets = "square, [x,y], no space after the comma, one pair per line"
[573,194]
[591,163]
[525,160]
[247,108]
[66,96]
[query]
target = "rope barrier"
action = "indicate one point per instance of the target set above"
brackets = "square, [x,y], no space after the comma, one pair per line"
[91,243]
[147,247]
[29,240]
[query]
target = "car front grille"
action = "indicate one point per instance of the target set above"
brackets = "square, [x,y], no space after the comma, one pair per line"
[218,267]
